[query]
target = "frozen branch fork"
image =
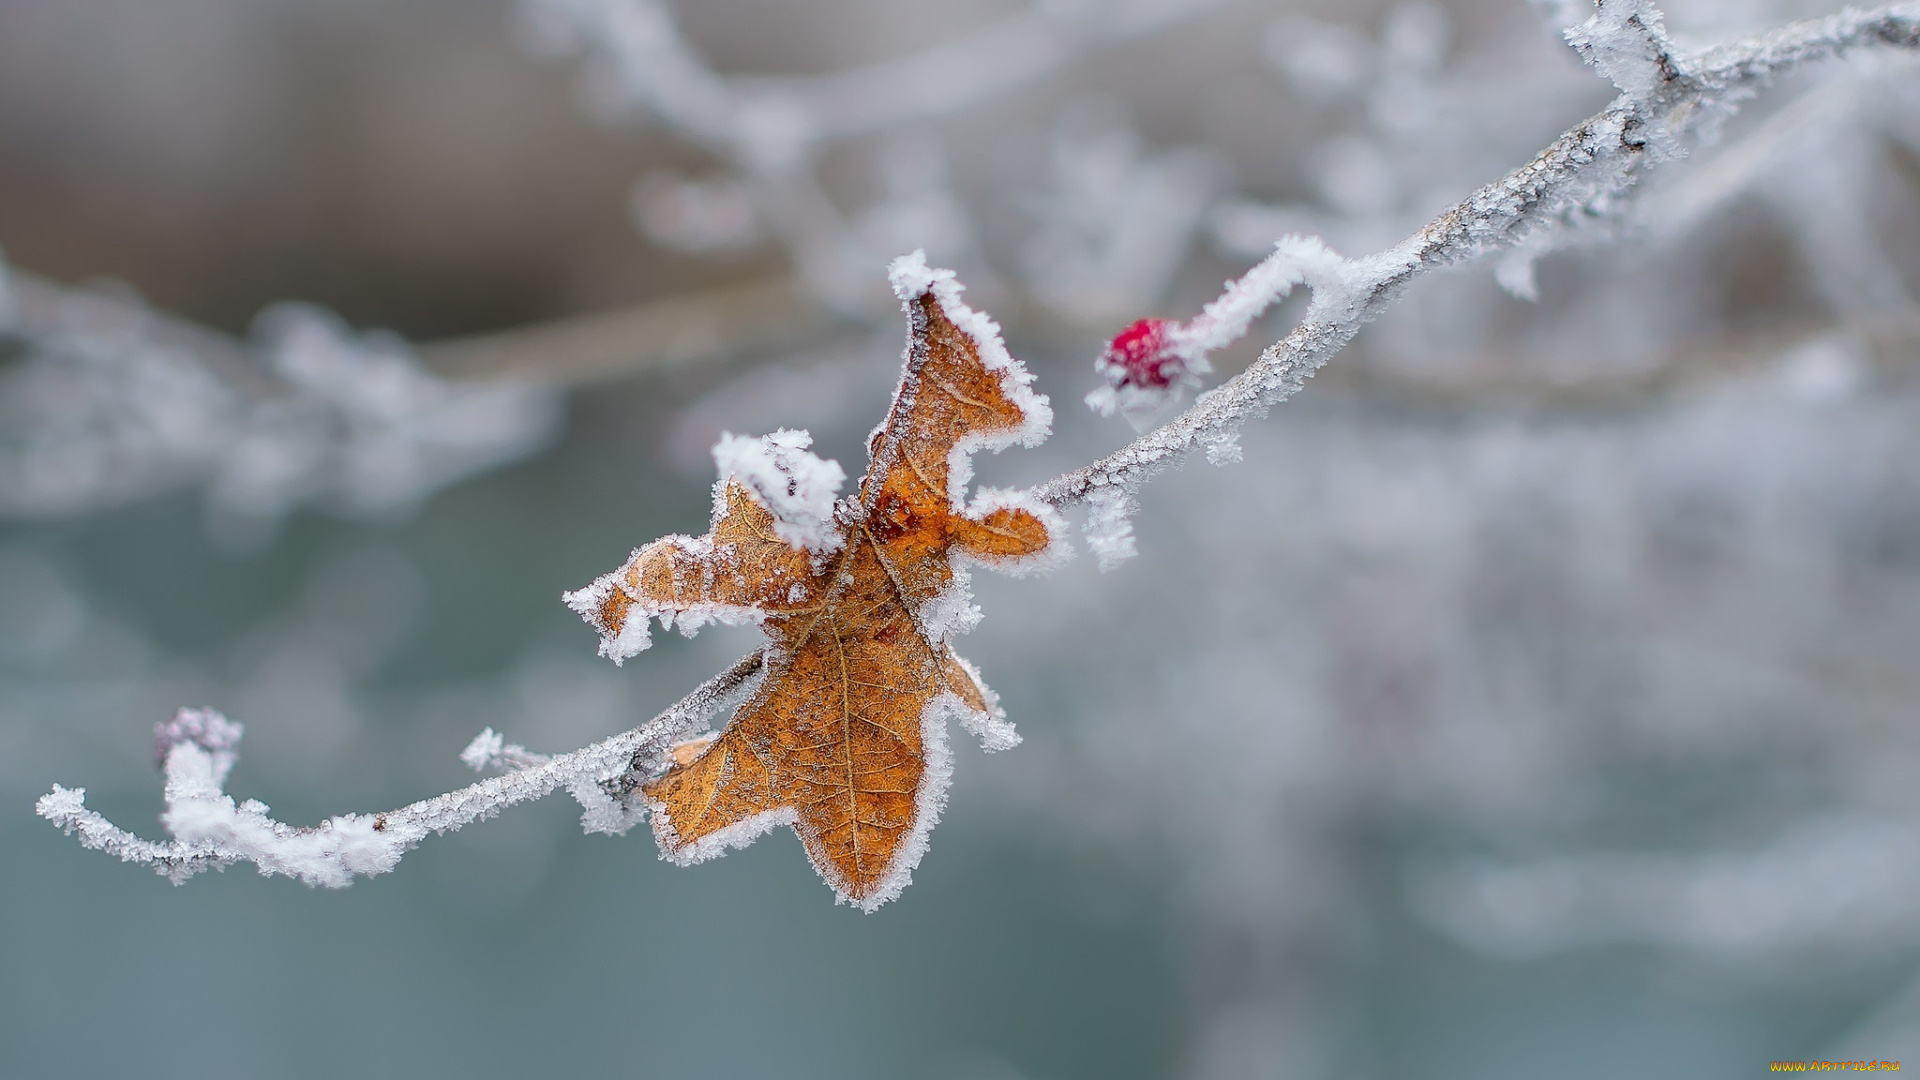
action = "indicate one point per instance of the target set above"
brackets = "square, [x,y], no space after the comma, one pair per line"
[1668,99]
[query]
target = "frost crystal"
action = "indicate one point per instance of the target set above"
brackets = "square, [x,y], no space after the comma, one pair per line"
[1514,273]
[1110,525]
[951,612]
[1224,448]
[788,480]
[1626,41]
[205,728]
[483,750]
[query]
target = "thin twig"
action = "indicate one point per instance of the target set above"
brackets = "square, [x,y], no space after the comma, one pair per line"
[599,775]
[1598,157]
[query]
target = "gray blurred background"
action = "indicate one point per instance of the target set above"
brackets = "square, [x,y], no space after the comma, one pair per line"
[1537,697]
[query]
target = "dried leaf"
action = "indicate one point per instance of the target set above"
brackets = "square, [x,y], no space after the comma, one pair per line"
[845,740]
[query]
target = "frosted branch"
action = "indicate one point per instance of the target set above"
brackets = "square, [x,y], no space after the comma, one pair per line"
[653,67]
[1583,175]
[112,401]
[210,831]
[1668,96]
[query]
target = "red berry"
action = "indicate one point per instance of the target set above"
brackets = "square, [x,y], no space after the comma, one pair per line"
[1140,353]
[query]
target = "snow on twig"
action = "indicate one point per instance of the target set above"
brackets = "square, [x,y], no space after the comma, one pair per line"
[199,746]
[1581,175]
[1667,96]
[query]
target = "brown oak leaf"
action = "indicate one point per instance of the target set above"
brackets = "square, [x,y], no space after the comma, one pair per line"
[845,737]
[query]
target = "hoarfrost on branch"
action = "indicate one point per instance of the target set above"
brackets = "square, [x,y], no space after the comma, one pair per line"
[112,401]
[199,746]
[1668,97]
